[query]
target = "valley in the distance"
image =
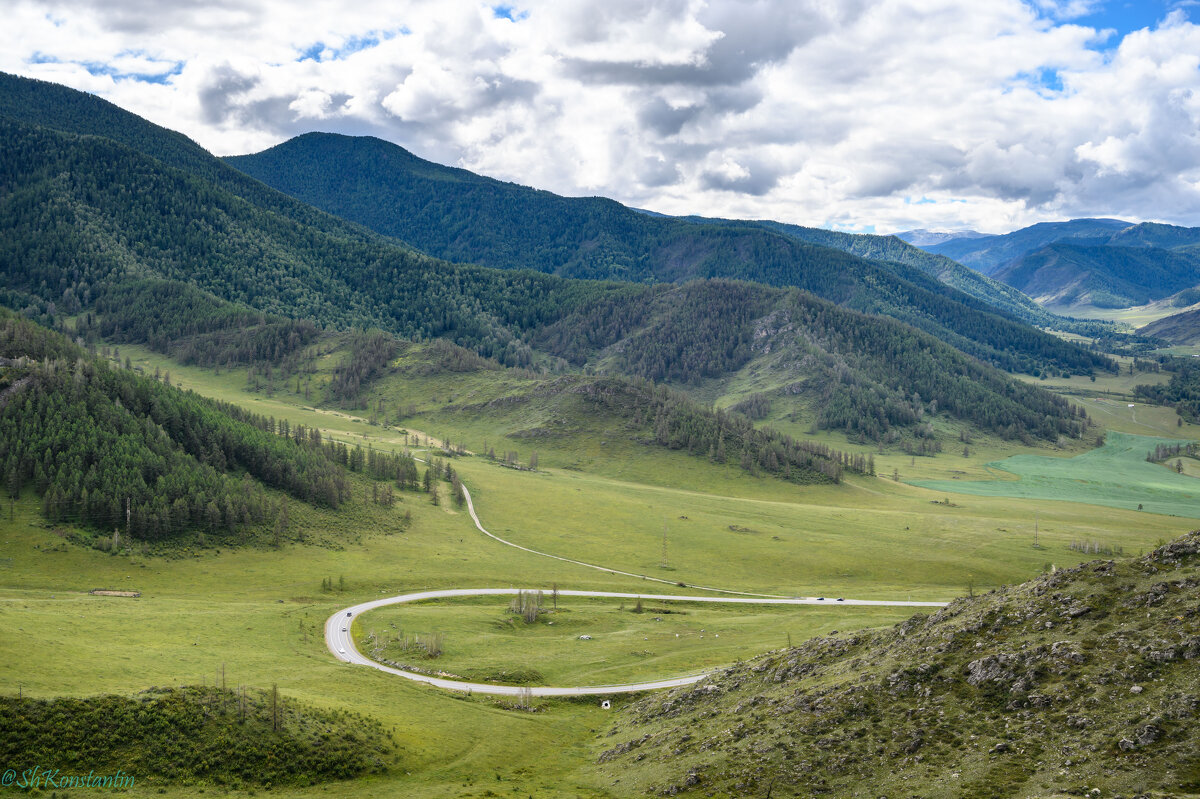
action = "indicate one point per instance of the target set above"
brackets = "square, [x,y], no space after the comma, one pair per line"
[242,398]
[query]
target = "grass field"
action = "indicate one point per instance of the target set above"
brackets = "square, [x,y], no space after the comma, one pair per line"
[1116,475]
[599,496]
[484,642]
[259,615]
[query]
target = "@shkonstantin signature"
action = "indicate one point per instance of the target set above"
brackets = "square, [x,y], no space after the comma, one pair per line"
[42,777]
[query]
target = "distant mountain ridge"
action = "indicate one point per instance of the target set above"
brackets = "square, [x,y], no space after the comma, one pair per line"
[895,250]
[987,254]
[1103,275]
[1106,263]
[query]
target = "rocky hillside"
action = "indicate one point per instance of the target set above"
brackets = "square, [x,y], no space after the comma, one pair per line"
[1082,679]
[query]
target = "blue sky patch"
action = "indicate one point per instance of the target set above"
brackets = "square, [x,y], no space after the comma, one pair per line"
[169,71]
[160,76]
[312,52]
[317,51]
[508,12]
[1127,16]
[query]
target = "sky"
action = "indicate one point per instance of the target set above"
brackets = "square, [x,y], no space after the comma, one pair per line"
[859,115]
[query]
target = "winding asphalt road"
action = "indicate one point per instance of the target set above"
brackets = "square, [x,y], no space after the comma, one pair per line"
[340,642]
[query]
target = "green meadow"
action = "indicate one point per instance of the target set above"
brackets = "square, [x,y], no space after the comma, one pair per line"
[1115,475]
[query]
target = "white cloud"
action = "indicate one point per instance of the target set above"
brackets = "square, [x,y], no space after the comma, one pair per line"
[824,112]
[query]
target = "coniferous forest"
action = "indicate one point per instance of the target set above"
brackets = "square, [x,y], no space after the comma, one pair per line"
[110,449]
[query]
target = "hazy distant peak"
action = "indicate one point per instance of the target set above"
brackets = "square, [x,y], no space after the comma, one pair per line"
[927,238]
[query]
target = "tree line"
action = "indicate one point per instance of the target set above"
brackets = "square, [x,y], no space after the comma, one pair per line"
[1181,392]
[677,422]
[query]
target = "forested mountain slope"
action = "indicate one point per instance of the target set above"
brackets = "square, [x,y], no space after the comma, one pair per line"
[1103,275]
[1081,679]
[892,249]
[63,109]
[455,214]
[872,377]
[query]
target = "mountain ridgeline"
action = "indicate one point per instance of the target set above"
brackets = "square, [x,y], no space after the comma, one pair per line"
[891,249]
[1103,275]
[987,254]
[454,214]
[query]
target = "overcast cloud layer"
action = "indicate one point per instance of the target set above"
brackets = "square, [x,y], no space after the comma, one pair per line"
[855,114]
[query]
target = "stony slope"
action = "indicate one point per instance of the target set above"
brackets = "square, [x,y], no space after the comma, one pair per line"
[1078,680]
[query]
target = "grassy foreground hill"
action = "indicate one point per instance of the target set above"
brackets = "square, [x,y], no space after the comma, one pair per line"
[239,738]
[1079,680]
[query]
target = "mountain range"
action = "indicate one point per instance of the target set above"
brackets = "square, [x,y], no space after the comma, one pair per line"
[97,201]
[455,214]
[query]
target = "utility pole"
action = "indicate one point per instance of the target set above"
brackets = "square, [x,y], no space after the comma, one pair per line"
[663,565]
[1035,531]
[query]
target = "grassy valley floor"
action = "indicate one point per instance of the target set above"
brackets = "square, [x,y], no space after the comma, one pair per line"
[258,612]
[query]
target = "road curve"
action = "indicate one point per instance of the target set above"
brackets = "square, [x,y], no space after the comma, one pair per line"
[341,643]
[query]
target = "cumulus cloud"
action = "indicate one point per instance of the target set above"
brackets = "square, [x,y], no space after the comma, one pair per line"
[858,113]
